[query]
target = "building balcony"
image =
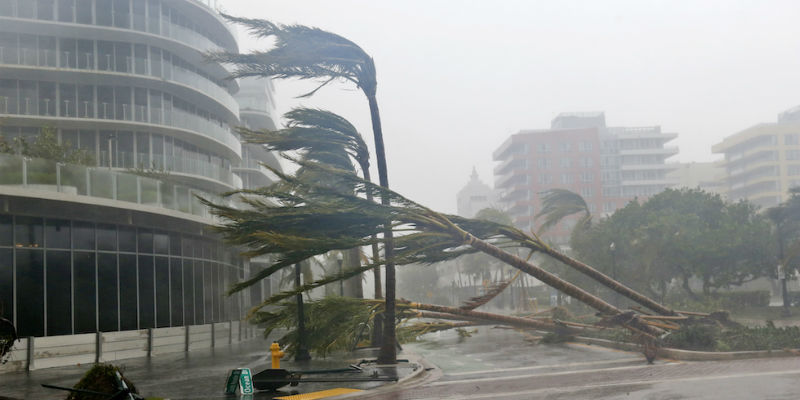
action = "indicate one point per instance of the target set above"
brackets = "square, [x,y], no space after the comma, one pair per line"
[186,126]
[649,167]
[27,176]
[667,151]
[179,81]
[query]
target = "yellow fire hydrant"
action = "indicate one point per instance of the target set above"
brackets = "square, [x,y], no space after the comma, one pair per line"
[277,354]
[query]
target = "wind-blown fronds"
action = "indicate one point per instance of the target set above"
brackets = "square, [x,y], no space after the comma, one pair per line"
[301,52]
[493,291]
[315,219]
[324,136]
[560,203]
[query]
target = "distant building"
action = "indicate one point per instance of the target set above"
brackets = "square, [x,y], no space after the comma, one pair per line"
[762,162]
[707,176]
[608,166]
[475,196]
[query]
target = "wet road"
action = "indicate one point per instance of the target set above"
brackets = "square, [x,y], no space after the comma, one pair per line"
[481,367]
[199,374]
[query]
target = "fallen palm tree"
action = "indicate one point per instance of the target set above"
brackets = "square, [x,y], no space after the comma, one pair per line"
[300,219]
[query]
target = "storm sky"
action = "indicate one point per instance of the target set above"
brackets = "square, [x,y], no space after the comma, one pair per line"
[456,78]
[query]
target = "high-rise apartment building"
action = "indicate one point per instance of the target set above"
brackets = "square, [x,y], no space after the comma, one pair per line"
[121,243]
[762,162]
[607,166]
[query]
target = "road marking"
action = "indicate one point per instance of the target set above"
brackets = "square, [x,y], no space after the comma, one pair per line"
[518,394]
[576,364]
[504,378]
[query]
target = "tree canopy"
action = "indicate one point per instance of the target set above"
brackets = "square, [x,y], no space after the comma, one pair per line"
[680,234]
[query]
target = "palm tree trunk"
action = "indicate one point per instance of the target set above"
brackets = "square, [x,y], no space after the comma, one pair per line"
[496,318]
[377,322]
[388,352]
[609,282]
[634,324]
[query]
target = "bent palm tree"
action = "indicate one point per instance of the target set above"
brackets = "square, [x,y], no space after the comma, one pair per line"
[310,53]
[315,219]
[324,137]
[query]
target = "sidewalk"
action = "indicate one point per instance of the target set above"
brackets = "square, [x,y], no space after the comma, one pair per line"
[199,374]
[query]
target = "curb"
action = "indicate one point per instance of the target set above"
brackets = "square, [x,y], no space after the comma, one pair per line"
[689,355]
[424,372]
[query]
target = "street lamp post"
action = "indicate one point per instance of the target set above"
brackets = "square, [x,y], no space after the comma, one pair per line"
[613,248]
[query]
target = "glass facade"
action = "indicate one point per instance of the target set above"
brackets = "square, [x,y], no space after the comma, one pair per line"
[61,277]
[146,103]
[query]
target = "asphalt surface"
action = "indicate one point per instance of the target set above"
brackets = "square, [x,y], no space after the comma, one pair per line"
[501,364]
[199,374]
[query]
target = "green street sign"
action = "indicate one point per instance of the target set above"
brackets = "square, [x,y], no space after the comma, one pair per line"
[245,381]
[233,381]
[241,380]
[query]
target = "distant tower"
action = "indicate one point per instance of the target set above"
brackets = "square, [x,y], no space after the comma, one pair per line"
[474,197]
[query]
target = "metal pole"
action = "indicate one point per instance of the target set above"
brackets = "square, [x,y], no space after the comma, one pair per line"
[302,347]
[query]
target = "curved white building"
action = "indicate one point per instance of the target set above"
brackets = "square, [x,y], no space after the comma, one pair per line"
[100,248]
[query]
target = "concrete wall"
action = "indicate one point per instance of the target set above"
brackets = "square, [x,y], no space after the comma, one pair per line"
[56,351]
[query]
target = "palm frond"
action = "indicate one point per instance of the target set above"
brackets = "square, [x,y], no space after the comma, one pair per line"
[493,291]
[560,203]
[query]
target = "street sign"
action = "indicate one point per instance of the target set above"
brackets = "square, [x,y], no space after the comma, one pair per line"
[241,380]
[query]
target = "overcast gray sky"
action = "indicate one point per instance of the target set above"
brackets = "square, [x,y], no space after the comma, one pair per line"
[456,78]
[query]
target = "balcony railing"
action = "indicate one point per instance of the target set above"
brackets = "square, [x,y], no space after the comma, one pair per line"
[105,183]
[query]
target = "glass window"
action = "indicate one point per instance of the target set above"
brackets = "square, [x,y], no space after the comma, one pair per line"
[8,48]
[83,235]
[128,314]
[123,54]
[127,239]
[140,104]
[105,102]
[142,150]
[155,107]
[140,59]
[7,8]
[138,15]
[107,291]
[30,280]
[47,98]
[8,96]
[153,13]
[28,97]
[85,55]
[103,12]
[146,293]
[161,243]
[145,241]
[57,233]
[188,292]
[175,244]
[105,56]
[85,106]
[59,293]
[198,293]
[122,101]
[124,149]
[25,8]
[162,292]
[85,300]
[7,284]
[83,11]
[69,100]
[208,280]
[68,49]
[87,141]
[66,9]
[106,237]
[28,232]
[122,14]
[45,9]
[176,290]
[6,230]
[155,61]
